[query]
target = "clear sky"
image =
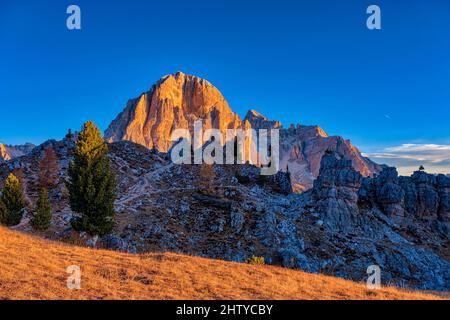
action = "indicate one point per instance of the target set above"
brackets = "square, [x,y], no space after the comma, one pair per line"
[308,62]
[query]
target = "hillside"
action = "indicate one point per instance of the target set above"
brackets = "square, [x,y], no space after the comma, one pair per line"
[33,268]
[339,228]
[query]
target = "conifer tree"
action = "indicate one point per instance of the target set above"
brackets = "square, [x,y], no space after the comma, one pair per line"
[43,212]
[13,201]
[48,169]
[92,183]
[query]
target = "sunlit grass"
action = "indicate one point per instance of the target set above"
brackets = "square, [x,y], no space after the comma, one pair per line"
[33,268]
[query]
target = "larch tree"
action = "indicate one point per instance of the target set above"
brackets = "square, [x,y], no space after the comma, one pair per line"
[48,169]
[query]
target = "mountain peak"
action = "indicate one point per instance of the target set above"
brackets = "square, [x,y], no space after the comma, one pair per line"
[176,101]
[259,121]
[255,114]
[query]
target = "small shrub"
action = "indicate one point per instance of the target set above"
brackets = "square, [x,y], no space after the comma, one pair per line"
[242,179]
[262,180]
[254,260]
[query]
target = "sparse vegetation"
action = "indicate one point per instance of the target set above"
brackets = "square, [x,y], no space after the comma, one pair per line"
[206,179]
[13,202]
[242,179]
[254,260]
[92,183]
[48,169]
[43,212]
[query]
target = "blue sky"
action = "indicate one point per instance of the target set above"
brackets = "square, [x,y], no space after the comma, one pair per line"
[308,62]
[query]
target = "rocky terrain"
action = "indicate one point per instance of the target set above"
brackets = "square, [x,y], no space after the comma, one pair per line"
[344,224]
[177,101]
[9,152]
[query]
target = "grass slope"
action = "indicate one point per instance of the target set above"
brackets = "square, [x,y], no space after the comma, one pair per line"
[33,268]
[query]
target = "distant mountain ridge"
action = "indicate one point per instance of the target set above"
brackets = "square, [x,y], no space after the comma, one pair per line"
[177,100]
[8,152]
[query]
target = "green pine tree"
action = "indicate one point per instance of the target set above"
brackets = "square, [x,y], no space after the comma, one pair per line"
[13,202]
[43,215]
[92,183]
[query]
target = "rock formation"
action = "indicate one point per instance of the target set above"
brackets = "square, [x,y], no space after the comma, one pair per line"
[336,191]
[176,101]
[422,195]
[302,148]
[10,152]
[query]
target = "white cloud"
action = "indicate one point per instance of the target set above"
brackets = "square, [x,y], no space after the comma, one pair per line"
[408,157]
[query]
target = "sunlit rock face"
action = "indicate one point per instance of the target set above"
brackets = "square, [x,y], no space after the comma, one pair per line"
[177,101]
[10,152]
[174,102]
[302,148]
[257,120]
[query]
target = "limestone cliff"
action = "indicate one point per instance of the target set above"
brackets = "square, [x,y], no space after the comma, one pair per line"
[174,102]
[302,148]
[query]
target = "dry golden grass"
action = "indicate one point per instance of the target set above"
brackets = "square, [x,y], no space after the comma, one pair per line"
[33,268]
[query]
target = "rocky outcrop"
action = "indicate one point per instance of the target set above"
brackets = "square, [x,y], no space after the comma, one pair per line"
[303,148]
[381,221]
[422,195]
[335,191]
[10,152]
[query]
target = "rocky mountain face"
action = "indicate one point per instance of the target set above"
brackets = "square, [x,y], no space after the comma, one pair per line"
[302,148]
[174,102]
[9,152]
[177,101]
[344,224]
[258,121]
